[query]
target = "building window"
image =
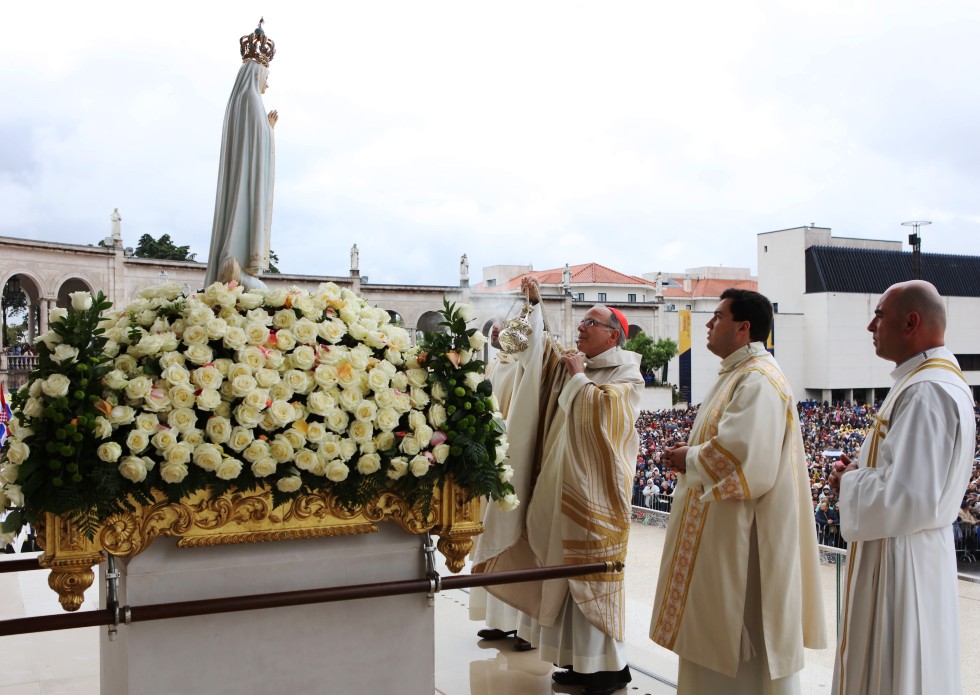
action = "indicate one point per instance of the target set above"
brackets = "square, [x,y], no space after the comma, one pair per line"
[580,296]
[969,363]
[631,298]
[492,282]
[602,296]
[775,307]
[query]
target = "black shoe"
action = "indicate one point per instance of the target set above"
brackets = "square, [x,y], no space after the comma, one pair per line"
[522,645]
[606,682]
[570,677]
[491,633]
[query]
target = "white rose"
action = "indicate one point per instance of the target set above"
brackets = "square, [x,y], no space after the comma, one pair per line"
[505,473]
[350,398]
[182,396]
[250,300]
[178,453]
[282,413]
[365,411]
[333,330]
[298,380]
[199,354]
[473,380]
[247,416]
[418,397]
[325,376]
[266,377]
[56,386]
[111,348]
[257,449]
[440,452]
[234,338]
[280,391]
[137,441]
[384,441]
[256,333]
[508,502]
[330,447]
[172,472]
[285,340]
[258,399]
[302,358]
[416,419]
[290,483]
[357,332]
[102,429]
[368,464]
[193,436]
[207,377]
[348,447]
[419,466]
[424,436]
[437,415]
[316,432]
[164,439]
[218,429]
[417,377]
[337,471]
[398,467]
[385,398]
[295,437]
[402,403]
[274,359]
[208,399]
[477,341]
[252,356]
[81,301]
[347,375]
[63,353]
[306,331]
[242,385]
[228,469]
[336,420]
[182,419]
[465,356]
[57,315]
[501,450]
[305,460]
[207,456]
[109,452]
[125,363]
[284,318]
[281,450]
[121,415]
[49,338]
[409,446]
[387,419]
[17,452]
[264,467]
[361,431]
[147,423]
[378,379]
[399,381]
[240,438]
[132,468]
[194,335]
[9,473]
[320,403]
[33,407]
[466,312]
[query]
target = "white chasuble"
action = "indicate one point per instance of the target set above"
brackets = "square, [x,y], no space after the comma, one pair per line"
[573,443]
[900,625]
[745,498]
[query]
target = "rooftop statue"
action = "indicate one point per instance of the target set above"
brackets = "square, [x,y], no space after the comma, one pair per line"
[246,173]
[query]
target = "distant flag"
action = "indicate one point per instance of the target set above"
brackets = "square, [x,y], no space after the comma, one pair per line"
[5,415]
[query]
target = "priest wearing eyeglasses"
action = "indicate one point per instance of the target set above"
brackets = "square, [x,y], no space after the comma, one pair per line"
[573,444]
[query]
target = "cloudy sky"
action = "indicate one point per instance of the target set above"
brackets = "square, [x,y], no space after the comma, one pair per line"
[641,135]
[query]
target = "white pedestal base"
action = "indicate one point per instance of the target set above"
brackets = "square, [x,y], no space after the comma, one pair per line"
[363,646]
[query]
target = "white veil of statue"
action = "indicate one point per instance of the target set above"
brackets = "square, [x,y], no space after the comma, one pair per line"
[246,173]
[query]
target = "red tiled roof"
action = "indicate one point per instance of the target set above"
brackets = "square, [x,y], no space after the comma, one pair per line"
[584,274]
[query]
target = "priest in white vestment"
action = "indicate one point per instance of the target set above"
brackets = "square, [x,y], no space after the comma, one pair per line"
[573,445]
[900,625]
[738,597]
[501,619]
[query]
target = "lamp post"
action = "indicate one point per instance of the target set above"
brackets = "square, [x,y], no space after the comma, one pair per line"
[916,243]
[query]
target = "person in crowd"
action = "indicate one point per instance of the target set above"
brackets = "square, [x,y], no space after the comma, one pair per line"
[738,595]
[899,628]
[573,415]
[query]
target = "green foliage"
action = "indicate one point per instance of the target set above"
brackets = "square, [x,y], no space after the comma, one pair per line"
[163,248]
[653,355]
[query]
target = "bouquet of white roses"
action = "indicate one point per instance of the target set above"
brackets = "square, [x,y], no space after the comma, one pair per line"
[230,389]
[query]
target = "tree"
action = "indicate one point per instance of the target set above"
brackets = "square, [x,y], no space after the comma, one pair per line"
[273,260]
[653,355]
[163,248]
[13,303]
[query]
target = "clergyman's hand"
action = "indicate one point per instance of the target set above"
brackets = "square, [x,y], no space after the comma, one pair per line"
[840,468]
[574,362]
[676,457]
[531,290]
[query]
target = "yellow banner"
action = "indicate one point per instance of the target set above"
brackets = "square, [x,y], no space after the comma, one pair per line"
[684,331]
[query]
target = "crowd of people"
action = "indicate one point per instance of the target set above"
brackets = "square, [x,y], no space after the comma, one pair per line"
[829,430]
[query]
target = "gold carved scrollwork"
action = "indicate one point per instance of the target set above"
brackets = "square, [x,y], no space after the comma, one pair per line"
[247,517]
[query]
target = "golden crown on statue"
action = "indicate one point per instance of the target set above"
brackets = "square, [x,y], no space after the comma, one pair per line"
[257,46]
